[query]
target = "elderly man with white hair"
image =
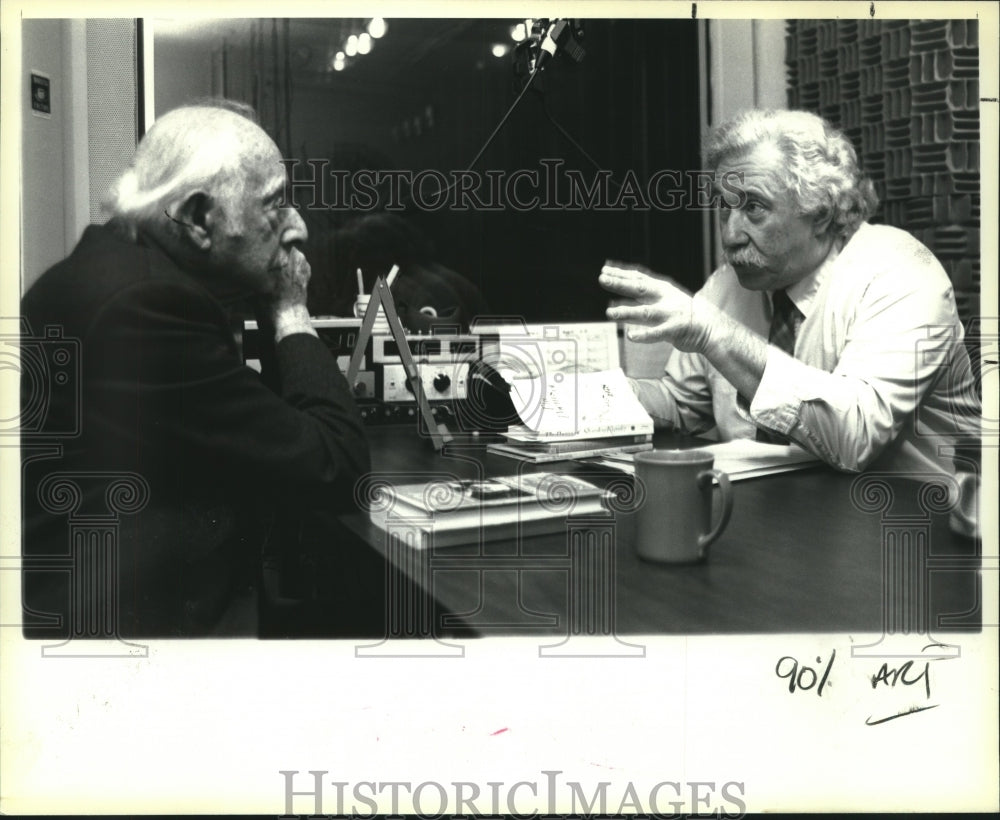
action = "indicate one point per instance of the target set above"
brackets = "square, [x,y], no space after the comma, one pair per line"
[819,328]
[211,454]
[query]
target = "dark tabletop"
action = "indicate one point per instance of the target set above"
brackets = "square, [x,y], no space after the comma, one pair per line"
[808,551]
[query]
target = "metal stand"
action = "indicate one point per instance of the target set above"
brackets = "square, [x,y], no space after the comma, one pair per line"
[382,297]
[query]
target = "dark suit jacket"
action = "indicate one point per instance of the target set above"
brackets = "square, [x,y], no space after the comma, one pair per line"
[175,458]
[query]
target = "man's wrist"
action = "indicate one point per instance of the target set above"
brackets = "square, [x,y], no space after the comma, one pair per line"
[708,323]
[292,319]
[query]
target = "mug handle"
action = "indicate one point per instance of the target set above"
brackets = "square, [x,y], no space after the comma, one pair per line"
[706,476]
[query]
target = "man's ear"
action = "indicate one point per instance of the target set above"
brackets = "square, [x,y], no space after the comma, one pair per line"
[196,216]
[821,223]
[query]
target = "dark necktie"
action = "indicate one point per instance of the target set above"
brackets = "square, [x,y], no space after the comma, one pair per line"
[785,321]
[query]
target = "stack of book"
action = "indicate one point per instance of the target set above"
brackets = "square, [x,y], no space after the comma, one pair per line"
[448,513]
[541,451]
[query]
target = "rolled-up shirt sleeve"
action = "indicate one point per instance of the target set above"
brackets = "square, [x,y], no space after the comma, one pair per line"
[681,399]
[898,343]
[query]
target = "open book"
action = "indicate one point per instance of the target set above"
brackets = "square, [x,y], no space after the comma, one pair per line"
[568,414]
[566,405]
[739,459]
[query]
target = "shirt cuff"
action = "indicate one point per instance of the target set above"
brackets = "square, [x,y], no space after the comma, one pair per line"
[777,402]
[656,401]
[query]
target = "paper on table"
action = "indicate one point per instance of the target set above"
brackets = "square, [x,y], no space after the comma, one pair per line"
[740,458]
[571,405]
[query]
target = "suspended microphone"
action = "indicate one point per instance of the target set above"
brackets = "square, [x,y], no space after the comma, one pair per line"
[561,35]
[550,45]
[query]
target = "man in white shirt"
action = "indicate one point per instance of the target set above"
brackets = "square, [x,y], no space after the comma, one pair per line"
[872,371]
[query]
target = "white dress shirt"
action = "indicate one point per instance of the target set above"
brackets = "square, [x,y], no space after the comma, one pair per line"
[880,374]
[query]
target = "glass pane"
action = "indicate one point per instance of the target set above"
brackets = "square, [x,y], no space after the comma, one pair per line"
[404,155]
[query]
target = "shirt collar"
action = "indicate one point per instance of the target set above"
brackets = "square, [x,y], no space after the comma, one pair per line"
[803,293]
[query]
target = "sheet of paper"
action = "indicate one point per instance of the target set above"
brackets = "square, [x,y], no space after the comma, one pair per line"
[577,405]
[739,459]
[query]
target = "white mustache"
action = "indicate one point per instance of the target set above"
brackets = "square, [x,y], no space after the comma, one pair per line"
[744,257]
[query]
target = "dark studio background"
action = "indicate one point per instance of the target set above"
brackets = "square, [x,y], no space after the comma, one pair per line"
[429,95]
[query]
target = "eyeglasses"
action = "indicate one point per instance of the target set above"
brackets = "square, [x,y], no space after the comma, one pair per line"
[166,213]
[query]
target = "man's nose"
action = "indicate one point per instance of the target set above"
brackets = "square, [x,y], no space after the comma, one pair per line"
[731,226]
[294,231]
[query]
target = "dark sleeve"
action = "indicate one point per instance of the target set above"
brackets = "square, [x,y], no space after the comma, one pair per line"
[165,373]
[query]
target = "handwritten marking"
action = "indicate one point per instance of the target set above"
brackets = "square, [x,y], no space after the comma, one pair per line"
[804,677]
[499,731]
[694,11]
[911,711]
[871,10]
[893,676]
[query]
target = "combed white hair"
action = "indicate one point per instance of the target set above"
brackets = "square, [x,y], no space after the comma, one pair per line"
[821,166]
[187,149]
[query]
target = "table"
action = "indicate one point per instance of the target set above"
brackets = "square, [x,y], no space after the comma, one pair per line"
[807,551]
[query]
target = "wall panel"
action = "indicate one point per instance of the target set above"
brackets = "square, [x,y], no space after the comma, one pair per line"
[906,93]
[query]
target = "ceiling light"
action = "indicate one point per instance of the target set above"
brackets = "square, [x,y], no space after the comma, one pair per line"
[499,49]
[351,46]
[377,27]
[364,43]
[519,33]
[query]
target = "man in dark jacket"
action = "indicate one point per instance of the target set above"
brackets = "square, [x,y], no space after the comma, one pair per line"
[157,465]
